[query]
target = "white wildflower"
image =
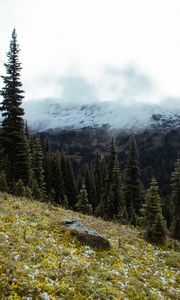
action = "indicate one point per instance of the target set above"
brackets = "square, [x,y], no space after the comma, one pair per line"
[115,272]
[45,296]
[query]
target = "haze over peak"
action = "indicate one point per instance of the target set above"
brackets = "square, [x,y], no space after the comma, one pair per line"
[52,114]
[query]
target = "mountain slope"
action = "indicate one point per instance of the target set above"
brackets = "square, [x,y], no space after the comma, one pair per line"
[41,261]
[47,114]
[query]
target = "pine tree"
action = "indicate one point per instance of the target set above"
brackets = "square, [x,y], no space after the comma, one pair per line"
[152,219]
[13,138]
[131,182]
[175,198]
[83,205]
[38,172]
[3,182]
[19,189]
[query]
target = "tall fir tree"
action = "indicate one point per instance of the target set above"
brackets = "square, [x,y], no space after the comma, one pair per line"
[47,166]
[13,138]
[37,160]
[57,178]
[152,220]
[98,178]
[111,196]
[132,191]
[175,199]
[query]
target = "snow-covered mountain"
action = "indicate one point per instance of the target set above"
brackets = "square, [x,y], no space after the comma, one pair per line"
[47,114]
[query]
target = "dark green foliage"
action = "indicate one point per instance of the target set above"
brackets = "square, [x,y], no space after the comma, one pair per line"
[100,210]
[92,194]
[28,192]
[19,189]
[83,205]
[131,183]
[13,138]
[159,230]
[52,195]
[108,207]
[152,215]
[65,203]
[36,191]
[91,188]
[37,162]
[47,167]
[69,181]
[3,182]
[79,182]
[98,178]
[175,198]
[111,199]
[57,180]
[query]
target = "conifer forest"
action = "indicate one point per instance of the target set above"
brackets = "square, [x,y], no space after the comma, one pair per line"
[102,189]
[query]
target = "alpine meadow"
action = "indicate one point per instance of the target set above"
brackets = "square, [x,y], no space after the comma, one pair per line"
[89,175]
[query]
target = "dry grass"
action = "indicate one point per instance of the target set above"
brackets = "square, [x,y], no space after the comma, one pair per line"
[38,260]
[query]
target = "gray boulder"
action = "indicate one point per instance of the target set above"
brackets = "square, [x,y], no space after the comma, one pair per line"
[85,234]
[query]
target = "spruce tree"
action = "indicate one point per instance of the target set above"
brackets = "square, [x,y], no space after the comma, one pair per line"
[131,183]
[159,230]
[57,179]
[36,191]
[69,181]
[175,198]
[152,219]
[111,198]
[3,182]
[28,192]
[19,189]
[98,178]
[48,169]
[38,171]
[91,188]
[13,138]
[83,205]
[92,193]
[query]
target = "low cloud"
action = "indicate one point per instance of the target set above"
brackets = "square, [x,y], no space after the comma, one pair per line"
[77,90]
[126,86]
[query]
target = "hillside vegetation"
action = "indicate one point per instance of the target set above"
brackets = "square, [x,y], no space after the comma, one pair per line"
[38,260]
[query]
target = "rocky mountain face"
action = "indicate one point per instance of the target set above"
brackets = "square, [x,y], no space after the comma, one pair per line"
[50,115]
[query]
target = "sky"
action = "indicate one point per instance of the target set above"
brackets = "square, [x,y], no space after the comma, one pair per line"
[95,50]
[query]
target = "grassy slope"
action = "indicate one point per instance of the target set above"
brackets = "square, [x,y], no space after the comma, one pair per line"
[39,261]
